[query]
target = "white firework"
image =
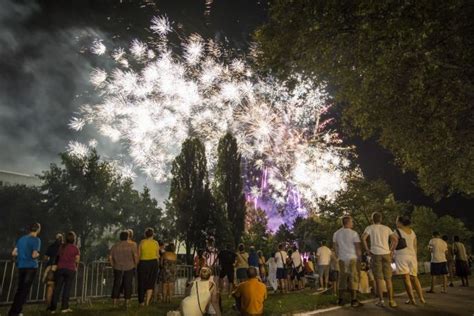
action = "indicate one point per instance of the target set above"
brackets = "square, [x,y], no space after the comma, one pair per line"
[169,97]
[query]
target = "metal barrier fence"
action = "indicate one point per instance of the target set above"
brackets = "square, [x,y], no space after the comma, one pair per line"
[94,280]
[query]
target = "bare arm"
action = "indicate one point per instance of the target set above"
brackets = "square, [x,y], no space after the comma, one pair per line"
[364,242]
[15,252]
[358,250]
[35,254]
[393,242]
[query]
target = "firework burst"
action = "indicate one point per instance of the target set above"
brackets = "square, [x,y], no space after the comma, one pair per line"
[291,156]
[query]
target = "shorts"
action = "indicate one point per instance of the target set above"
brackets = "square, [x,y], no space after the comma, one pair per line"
[297,274]
[227,271]
[323,271]
[439,268]
[406,265]
[282,273]
[241,274]
[462,268]
[381,266]
[349,275]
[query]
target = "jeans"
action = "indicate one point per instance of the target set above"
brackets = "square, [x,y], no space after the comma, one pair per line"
[63,281]
[25,280]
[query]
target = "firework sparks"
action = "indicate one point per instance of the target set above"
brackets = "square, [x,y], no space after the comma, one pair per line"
[293,156]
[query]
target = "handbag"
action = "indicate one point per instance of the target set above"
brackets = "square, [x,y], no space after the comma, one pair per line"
[402,242]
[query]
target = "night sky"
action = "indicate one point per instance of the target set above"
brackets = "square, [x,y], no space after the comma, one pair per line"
[45,67]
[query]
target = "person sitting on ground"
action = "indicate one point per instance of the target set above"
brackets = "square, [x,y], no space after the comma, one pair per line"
[226,259]
[439,263]
[381,252]
[250,295]
[461,261]
[406,261]
[323,255]
[241,263]
[281,274]
[123,259]
[51,255]
[347,247]
[201,295]
[450,260]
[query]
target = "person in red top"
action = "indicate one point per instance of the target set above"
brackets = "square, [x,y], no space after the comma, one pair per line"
[68,258]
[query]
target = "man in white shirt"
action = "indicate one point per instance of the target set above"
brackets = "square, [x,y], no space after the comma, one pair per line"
[323,255]
[347,248]
[298,269]
[439,263]
[381,253]
[280,258]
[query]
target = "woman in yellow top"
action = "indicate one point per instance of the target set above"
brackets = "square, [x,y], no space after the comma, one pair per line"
[147,270]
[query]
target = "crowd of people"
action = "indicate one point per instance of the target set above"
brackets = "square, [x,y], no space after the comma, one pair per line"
[355,264]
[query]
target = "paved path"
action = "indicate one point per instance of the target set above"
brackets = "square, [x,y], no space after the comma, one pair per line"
[458,301]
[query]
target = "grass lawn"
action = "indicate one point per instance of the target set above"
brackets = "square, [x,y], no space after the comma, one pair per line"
[277,304]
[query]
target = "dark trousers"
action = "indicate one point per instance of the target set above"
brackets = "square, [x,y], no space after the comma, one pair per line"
[147,271]
[25,280]
[62,282]
[123,281]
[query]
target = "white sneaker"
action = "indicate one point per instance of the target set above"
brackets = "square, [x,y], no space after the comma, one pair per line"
[66,311]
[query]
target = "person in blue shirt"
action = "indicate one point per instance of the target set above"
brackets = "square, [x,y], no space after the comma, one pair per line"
[27,252]
[253,258]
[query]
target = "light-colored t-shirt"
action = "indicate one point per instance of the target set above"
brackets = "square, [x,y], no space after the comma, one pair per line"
[438,249]
[379,236]
[296,258]
[345,239]
[324,255]
[280,258]
[410,239]
[241,260]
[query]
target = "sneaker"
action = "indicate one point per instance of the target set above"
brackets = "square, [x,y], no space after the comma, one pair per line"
[380,303]
[392,304]
[53,312]
[64,311]
[356,303]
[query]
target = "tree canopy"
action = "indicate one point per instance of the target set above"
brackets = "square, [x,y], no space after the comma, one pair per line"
[404,69]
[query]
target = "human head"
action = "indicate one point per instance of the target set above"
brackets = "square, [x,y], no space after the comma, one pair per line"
[323,242]
[170,248]
[252,249]
[205,273]
[347,221]
[281,246]
[259,253]
[35,228]
[124,235]
[149,232]
[445,238]
[59,238]
[200,252]
[161,243]
[403,221]
[252,273]
[456,238]
[70,237]
[376,217]
[241,247]
[130,233]
[436,234]
[210,242]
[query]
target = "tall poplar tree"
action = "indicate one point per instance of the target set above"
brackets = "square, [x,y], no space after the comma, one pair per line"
[228,186]
[189,185]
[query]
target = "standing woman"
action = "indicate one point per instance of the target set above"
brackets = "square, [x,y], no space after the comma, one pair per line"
[241,264]
[261,266]
[147,270]
[168,271]
[406,259]
[461,261]
[68,259]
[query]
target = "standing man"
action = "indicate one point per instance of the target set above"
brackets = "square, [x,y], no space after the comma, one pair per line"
[226,259]
[323,255]
[450,260]
[124,260]
[347,248]
[280,258]
[27,251]
[381,253]
[439,262]
[298,268]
